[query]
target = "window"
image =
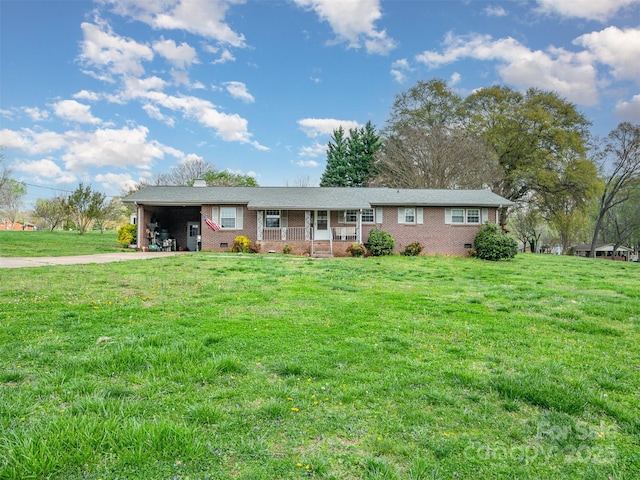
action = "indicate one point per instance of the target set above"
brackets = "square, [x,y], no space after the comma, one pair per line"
[457,215]
[351,216]
[367,215]
[473,215]
[409,215]
[228,217]
[272,219]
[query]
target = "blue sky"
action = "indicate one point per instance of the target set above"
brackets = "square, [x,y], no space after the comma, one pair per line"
[111,92]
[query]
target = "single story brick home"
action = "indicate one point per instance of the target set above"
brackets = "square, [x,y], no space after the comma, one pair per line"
[318,221]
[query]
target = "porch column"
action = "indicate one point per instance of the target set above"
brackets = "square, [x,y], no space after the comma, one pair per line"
[260,226]
[307,225]
[141,227]
[359,227]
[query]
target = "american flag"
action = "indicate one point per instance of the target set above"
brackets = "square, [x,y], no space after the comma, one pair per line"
[210,223]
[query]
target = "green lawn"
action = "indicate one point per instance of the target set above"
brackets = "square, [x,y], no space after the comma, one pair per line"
[54,244]
[262,367]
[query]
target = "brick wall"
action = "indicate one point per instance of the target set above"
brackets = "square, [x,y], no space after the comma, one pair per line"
[433,233]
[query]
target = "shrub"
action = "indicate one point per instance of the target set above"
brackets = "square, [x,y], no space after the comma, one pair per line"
[287,249]
[127,234]
[254,248]
[413,249]
[356,250]
[241,244]
[493,244]
[380,243]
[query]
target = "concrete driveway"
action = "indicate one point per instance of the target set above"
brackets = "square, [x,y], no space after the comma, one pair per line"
[20,262]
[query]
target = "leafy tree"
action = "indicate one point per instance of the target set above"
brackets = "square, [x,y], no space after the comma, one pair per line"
[12,194]
[565,195]
[622,150]
[350,159]
[527,225]
[85,205]
[531,134]
[52,212]
[111,212]
[621,223]
[228,179]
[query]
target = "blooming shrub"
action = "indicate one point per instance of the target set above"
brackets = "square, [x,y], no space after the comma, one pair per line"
[413,249]
[493,244]
[356,250]
[380,243]
[241,244]
[127,234]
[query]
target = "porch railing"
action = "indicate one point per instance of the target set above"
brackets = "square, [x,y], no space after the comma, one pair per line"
[291,234]
[344,234]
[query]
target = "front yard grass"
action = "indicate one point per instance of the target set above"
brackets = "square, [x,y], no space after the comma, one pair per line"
[54,244]
[269,366]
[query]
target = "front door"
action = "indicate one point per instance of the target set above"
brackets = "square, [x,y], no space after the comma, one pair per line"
[193,233]
[321,225]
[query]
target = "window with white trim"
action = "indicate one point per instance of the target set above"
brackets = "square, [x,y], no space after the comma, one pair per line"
[367,215]
[351,216]
[409,215]
[457,215]
[473,215]
[272,219]
[228,217]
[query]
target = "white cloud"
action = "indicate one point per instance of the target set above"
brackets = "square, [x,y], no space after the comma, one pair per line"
[155,113]
[629,111]
[495,11]
[353,22]
[307,163]
[455,78]
[617,48]
[86,95]
[225,56]
[314,127]
[123,181]
[570,74]
[36,114]
[180,56]
[44,168]
[399,68]
[239,90]
[590,9]
[201,17]
[106,147]
[112,54]
[74,111]
[316,150]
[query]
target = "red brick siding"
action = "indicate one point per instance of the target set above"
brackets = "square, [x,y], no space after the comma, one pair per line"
[436,236]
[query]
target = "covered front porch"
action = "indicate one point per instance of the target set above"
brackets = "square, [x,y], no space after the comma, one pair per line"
[318,229]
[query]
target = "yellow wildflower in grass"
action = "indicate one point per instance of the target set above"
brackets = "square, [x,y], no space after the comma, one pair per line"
[295,409]
[298,464]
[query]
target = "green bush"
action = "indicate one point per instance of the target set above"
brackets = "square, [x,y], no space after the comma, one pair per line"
[127,234]
[356,250]
[380,243]
[493,244]
[287,249]
[413,249]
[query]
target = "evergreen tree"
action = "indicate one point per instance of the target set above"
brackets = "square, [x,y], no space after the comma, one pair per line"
[350,158]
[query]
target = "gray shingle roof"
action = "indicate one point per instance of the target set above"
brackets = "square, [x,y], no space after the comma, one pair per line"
[310,198]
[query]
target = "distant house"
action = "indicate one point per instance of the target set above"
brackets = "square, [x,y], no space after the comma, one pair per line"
[313,220]
[604,250]
[7,225]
